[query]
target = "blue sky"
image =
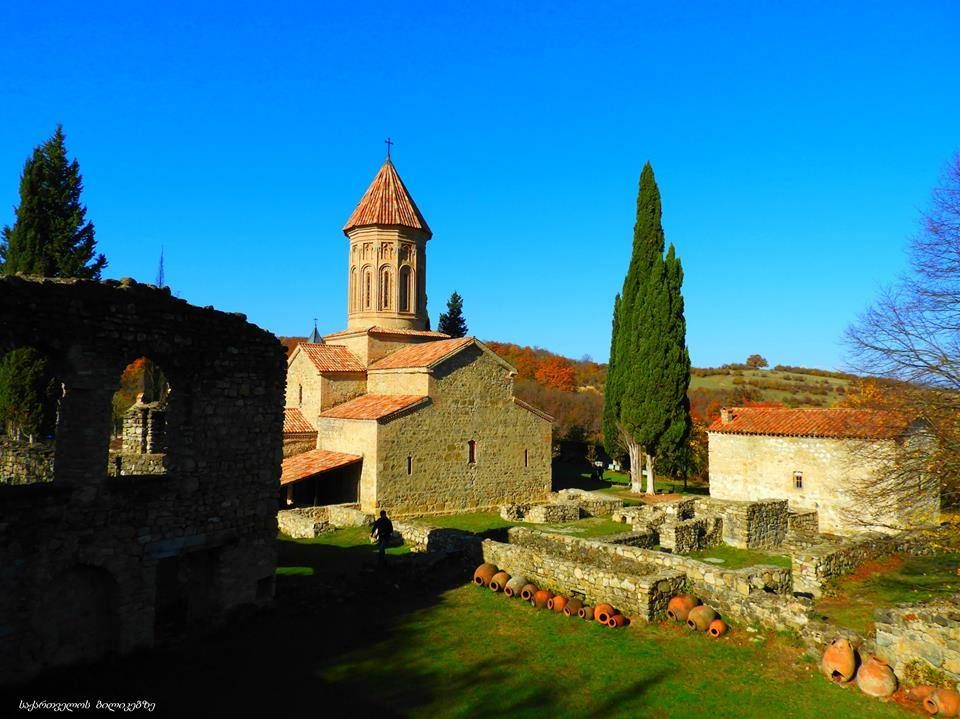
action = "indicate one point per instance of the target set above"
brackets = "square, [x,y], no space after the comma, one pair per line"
[794,145]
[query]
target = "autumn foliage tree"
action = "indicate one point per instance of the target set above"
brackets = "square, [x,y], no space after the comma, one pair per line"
[756,361]
[556,372]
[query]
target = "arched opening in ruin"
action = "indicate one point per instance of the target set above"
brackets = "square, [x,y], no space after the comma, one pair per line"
[141,426]
[30,399]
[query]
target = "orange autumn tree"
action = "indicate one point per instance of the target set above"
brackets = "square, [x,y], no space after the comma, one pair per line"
[556,372]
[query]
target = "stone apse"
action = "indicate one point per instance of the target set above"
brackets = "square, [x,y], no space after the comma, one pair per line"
[91,564]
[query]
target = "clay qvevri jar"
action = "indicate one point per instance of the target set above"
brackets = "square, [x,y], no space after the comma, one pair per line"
[499,581]
[943,703]
[514,586]
[616,621]
[541,597]
[679,607]
[700,617]
[526,594]
[586,613]
[484,574]
[557,603]
[717,628]
[603,612]
[875,678]
[573,608]
[839,660]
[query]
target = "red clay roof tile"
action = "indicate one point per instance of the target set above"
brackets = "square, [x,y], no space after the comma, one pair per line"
[388,331]
[836,423]
[422,355]
[295,423]
[332,358]
[301,466]
[374,406]
[387,202]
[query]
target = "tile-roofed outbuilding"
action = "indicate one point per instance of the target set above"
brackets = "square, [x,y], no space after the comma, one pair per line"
[387,202]
[375,406]
[832,423]
[422,355]
[331,358]
[295,423]
[301,466]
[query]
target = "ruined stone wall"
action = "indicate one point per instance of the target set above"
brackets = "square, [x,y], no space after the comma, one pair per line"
[144,429]
[472,400]
[421,537]
[639,596]
[752,467]
[814,566]
[25,463]
[88,560]
[691,535]
[592,504]
[136,464]
[927,637]
[802,525]
[750,525]
[304,522]
[541,513]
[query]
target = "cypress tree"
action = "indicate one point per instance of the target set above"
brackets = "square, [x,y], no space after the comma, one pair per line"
[645,398]
[451,321]
[52,238]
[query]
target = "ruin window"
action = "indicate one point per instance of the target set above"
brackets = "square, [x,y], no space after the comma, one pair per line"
[798,480]
[526,458]
[405,289]
[29,415]
[409,465]
[141,421]
[385,290]
[471,452]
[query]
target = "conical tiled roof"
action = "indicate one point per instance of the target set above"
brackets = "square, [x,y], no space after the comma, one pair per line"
[387,202]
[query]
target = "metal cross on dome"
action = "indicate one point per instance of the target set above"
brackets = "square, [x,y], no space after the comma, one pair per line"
[388,142]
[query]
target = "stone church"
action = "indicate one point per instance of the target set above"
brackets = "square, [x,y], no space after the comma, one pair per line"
[405,419]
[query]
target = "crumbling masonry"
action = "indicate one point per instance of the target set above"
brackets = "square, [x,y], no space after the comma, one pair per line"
[92,564]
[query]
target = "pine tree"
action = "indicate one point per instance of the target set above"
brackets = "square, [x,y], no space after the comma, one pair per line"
[645,405]
[452,322]
[50,237]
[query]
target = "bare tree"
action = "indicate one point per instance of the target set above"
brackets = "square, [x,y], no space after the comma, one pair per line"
[911,337]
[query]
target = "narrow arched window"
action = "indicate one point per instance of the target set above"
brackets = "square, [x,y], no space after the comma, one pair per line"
[354,290]
[526,458]
[409,465]
[405,293]
[471,452]
[300,397]
[385,298]
[367,289]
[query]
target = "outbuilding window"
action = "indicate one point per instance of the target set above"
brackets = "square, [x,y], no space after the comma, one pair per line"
[471,452]
[409,465]
[526,458]
[798,480]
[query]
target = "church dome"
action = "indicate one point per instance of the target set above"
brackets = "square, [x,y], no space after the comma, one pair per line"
[387,203]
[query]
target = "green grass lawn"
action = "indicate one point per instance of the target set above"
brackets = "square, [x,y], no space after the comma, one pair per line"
[852,600]
[734,558]
[484,522]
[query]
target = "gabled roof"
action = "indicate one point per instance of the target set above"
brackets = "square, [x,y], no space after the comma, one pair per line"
[375,406]
[422,355]
[530,408]
[375,330]
[295,423]
[387,202]
[833,423]
[330,358]
[301,466]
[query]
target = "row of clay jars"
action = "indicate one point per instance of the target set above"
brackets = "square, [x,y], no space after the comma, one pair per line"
[484,573]
[873,676]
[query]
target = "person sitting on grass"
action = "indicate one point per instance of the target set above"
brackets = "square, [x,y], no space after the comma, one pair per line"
[382,531]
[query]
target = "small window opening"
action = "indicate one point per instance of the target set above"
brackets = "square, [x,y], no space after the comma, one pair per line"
[471,452]
[300,396]
[526,458]
[409,465]
[798,480]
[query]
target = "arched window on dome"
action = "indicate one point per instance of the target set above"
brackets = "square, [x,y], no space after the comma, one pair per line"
[386,299]
[354,290]
[406,276]
[367,289]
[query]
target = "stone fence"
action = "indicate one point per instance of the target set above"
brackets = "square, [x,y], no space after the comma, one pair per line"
[814,566]
[25,463]
[640,596]
[922,642]
[309,522]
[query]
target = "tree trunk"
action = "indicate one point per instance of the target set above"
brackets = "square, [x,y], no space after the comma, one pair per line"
[636,467]
[651,489]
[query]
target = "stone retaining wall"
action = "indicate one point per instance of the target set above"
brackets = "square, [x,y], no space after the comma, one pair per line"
[813,567]
[749,525]
[592,504]
[928,635]
[541,513]
[638,596]
[424,538]
[25,463]
[304,522]
[136,465]
[802,525]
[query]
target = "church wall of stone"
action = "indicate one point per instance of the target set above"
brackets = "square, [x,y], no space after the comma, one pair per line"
[303,373]
[354,436]
[472,399]
[391,382]
[340,387]
[88,559]
[753,467]
[368,348]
